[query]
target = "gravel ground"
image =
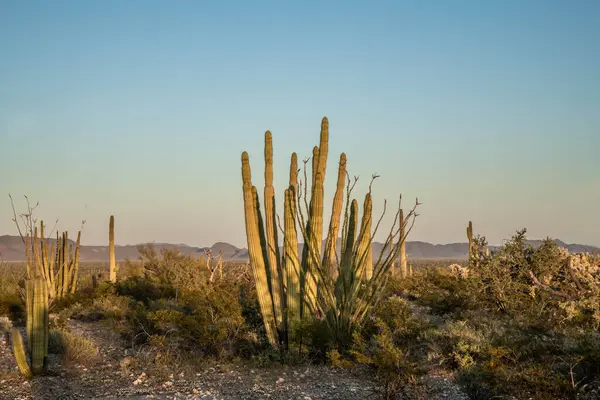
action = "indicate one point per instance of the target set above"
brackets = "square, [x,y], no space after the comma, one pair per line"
[116,375]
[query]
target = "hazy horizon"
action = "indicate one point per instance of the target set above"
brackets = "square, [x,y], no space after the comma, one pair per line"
[488,112]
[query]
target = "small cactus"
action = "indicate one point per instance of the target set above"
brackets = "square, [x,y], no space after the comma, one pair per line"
[470,238]
[36,299]
[111,250]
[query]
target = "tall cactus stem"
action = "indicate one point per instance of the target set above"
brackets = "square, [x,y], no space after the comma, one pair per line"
[111,250]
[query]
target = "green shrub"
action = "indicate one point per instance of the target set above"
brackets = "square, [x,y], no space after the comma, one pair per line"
[391,344]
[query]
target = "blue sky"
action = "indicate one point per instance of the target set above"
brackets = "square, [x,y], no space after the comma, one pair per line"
[486,110]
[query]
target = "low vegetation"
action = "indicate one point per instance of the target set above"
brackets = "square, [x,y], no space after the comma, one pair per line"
[519,321]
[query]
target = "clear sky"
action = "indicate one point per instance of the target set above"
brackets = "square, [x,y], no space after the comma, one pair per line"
[485,110]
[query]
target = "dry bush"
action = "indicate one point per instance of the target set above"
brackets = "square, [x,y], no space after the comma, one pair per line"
[72,347]
[523,322]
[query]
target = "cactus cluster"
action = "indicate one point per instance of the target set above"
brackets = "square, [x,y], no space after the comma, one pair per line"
[36,301]
[316,282]
[477,247]
[56,264]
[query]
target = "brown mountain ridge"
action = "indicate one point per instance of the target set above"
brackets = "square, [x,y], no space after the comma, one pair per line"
[13,249]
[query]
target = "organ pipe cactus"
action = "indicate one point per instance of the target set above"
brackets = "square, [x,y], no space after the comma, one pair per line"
[470,238]
[111,250]
[37,330]
[56,264]
[316,283]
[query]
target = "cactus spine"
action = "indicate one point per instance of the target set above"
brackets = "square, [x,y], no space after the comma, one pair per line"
[111,250]
[292,288]
[36,301]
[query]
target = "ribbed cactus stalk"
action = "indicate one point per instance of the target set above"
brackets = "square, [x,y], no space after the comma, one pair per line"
[57,265]
[256,243]
[364,267]
[272,260]
[39,333]
[470,238]
[20,354]
[334,224]
[318,283]
[311,252]
[291,259]
[111,250]
[36,301]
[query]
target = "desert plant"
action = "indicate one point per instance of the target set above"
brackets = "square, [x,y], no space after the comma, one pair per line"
[470,238]
[317,284]
[57,265]
[36,292]
[113,267]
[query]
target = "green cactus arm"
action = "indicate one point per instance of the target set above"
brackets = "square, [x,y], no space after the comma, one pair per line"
[39,270]
[272,246]
[65,267]
[50,270]
[334,223]
[364,266]
[315,165]
[39,339]
[291,261]
[294,175]
[75,279]
[29,291]
[343,282]
[255,252]
[20,354]
[111,250]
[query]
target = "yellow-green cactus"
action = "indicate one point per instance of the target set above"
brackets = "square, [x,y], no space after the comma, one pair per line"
[20,354]
[58,265]
[36,303]
[111,250]
[334,224]
[470,238]
[317,284]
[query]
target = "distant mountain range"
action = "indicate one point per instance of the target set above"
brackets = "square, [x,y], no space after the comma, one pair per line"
[13,249]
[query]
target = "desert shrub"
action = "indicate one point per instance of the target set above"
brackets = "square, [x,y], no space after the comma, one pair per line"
[522,322]
[439,290]
[201,322]
[171,268]
[391,344]
[546,286]
[516,361]
[108,305]
[72,347]
[10,299]
[145,290]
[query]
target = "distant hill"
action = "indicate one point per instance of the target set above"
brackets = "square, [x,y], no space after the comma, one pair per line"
[13,249]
